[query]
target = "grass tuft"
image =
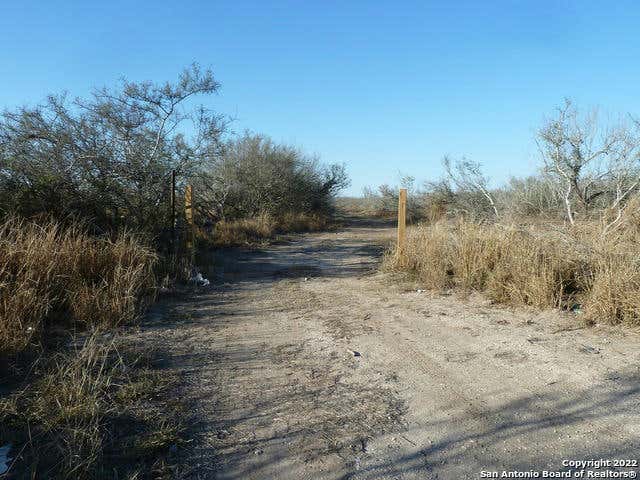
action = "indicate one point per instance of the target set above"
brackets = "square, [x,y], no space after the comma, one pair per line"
[92,412]
[531,265]
[61,277]
[262,227]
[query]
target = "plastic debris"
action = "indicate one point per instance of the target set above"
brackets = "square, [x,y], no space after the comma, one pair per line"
[589,349]
[198,279]
[4,458]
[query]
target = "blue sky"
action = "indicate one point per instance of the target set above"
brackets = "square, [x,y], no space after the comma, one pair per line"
[385,87]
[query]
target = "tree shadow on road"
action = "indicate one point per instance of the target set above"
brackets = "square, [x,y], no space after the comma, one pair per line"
[332,417]
[536,432]
[351,252]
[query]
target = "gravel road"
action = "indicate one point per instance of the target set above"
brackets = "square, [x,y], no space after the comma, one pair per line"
[302,361]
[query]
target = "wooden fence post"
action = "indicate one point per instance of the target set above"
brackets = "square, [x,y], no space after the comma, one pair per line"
[189,215]
[402,222]
[173,211]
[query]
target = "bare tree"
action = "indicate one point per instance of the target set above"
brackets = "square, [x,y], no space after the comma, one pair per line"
[574,150]
[623,171]
[592,165]
[467,176]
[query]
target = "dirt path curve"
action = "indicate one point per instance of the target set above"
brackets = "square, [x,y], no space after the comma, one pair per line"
[302,362]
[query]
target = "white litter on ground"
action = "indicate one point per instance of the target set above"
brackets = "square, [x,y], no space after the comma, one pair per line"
[4,458]
[200,280]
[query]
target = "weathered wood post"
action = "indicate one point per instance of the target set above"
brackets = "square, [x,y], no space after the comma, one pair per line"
[189,215]
[173,211]
[402,222]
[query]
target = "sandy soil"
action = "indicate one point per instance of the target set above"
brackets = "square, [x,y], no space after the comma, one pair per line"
[301,361]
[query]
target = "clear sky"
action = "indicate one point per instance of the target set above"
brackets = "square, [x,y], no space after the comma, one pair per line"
[385,87]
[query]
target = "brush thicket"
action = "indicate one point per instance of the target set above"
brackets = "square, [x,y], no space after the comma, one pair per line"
[527,265]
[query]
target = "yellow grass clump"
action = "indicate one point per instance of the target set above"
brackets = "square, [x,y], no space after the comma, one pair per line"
[581,267]
[614,292]
[61,277]
[94,411]
[263,227]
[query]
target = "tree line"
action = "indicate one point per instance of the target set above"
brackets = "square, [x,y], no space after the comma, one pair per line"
[107,159]
[589,169]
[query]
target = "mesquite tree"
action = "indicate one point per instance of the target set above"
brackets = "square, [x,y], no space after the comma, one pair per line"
[591,164]
[107,158]
[467,176]
[255,175]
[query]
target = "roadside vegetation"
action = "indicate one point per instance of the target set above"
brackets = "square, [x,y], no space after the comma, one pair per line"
[566,238]
[258,188]
[54,276]
[88,234]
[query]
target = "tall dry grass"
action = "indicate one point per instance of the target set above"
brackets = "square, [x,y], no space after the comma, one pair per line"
[86,406]
[614,289]
[544,267]
[263,227]
[60,277]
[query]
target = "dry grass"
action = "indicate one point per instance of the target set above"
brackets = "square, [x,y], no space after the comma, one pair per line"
[92,413]
[366,207]
[77,407]
[524,265]
[614,290]
[263,227]
[54,277]
[240,232]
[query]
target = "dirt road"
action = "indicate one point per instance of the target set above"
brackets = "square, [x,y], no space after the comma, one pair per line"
[303,362]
